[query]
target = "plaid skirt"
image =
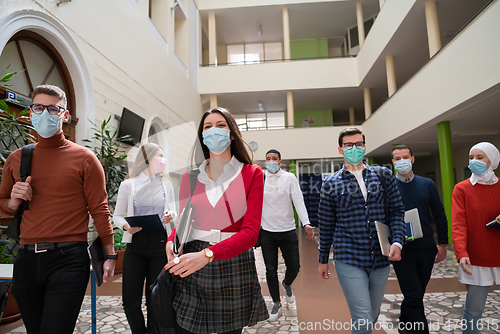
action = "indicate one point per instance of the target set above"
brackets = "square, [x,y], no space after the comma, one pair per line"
[222,296]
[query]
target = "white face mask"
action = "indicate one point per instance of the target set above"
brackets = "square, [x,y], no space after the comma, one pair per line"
[46,124]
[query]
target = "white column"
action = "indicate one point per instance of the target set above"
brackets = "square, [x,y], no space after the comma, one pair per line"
[352,117]
[433,34]
[381,3]
[213,101]
[391,75]
[289,109]
[286,34]
[361,24]
[212,40]
[368,102]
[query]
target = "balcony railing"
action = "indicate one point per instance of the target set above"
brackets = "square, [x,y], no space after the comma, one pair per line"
[252,62]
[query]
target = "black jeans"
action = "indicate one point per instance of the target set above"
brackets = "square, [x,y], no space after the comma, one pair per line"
[289,245]
[49,288]
[414,271]
[144,259]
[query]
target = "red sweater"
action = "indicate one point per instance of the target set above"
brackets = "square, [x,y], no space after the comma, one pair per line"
[245,195]
[473,207]
[68,183]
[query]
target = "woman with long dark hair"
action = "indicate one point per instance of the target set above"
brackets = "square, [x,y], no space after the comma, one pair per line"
[218,289]
[147,191]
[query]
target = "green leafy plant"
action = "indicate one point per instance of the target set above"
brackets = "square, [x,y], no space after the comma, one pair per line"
[14,128]
[112,156]
[6,254]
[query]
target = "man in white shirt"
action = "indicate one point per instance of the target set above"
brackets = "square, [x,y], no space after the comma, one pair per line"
[278,228]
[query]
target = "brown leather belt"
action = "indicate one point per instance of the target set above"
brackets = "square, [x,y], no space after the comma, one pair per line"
[46,246]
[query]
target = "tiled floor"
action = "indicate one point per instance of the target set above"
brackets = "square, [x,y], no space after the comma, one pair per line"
[443,309]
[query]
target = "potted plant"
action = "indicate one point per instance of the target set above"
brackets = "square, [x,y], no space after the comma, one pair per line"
[112,156]
[14,133]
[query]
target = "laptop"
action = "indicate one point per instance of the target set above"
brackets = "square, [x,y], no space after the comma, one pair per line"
[413,227]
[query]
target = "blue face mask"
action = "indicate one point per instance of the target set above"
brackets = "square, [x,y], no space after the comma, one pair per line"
[45,124]
[216,139]
[403,166]
[272,166]
[478,167]
[355,155]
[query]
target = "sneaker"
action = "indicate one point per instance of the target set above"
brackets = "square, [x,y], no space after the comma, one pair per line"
[275,313]
[290,298]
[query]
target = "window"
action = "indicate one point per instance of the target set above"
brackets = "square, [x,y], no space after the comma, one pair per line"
[235,54]
[47,67]
[261,121]
[272,51]
[253,53]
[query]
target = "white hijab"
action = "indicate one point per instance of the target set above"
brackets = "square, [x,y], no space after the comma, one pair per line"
[492,153]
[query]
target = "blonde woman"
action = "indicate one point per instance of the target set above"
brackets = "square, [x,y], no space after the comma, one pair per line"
[147,192]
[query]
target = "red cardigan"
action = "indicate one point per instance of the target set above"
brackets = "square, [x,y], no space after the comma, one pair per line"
[472,208]
[245,196]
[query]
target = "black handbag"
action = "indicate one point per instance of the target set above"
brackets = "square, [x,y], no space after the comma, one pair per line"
[163,288]
[14,228]
[162,300]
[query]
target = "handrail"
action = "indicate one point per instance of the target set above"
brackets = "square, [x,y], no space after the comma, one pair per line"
[274,61]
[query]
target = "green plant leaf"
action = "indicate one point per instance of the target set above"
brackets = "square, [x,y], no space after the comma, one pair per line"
[7,77]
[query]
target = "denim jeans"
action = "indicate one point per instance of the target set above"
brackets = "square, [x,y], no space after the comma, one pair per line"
[289,245]
[414,271]
[364,292]
[49,288]
[144,259]
[474,307]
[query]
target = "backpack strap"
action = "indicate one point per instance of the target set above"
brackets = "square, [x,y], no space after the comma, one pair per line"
[193,178]
[380,174]
[25,169]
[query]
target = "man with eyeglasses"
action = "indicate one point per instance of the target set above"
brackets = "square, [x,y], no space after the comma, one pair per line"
[351,201]
[66,184]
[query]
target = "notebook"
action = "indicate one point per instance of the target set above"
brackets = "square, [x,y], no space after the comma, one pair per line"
[150,223]
[97,252]
[413,227]
[384,234]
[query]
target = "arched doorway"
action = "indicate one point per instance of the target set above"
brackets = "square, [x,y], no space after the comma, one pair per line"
[37,62]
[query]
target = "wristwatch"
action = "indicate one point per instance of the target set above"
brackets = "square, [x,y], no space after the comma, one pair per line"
[445,246]
[209,254]
[111,257]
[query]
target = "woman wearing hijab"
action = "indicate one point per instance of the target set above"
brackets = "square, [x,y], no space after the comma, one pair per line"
[147,192]
[476,202]
[218,290]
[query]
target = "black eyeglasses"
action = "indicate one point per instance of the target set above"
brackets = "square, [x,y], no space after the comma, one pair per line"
[359,144]
[52,109]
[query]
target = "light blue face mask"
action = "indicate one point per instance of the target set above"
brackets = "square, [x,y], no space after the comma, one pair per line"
[45,124]
[478,167]
[272,166]
[216,139]
[355,155]
[403,166]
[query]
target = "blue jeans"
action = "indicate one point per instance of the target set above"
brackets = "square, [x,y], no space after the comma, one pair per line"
[474,307]
[364,292]
[49,288]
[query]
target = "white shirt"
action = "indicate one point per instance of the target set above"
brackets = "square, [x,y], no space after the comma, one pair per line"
[362,186]
[481,276]
[215,190]
[280,190]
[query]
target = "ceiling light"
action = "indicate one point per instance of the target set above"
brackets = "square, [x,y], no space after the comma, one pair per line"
[261,106]
[259,29]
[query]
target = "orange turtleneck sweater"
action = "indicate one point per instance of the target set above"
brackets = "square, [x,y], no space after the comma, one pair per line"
[68,183]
